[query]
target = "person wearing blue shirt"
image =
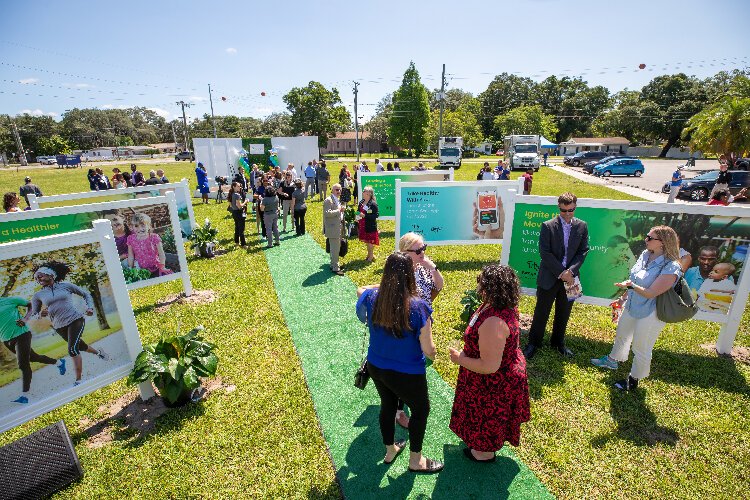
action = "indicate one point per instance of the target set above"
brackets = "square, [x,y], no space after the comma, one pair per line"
[310,180]
[400,338]
[202,177]
[696,275]
[674,185]
[655,272]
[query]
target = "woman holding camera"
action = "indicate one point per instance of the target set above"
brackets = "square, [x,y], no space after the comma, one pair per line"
[237,204]
[400,339]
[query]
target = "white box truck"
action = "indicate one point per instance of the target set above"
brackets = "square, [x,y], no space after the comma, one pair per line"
[449,151]
[522,151]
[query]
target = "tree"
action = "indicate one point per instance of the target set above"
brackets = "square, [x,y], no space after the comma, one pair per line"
[526,120]
[53,145]
[316,110]
[460,119]
[277,124]
[723,127]
[504,93]
[580,109]
[410,115]
[670,101]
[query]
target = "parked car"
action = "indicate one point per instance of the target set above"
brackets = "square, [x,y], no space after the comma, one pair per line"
[46,160]
[621,166]
[742,164]
[699,187]
[579,159]
[185,155]
[588,167]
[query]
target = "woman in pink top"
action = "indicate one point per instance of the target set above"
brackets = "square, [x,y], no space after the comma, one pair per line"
[145,248]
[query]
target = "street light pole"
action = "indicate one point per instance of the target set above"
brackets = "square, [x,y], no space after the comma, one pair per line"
[184,121]
[211,100]
[356,121]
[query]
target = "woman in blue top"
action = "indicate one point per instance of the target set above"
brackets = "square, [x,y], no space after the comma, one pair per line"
[202,176]
[400,338]
[655,272]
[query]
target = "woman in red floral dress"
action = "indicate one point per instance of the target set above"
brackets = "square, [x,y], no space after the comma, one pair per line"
[492,392]
[368,222]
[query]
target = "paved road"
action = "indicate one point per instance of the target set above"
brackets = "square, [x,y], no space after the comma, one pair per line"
[658,172]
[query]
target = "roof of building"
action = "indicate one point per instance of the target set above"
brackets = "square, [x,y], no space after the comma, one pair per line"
[350,135]
[597,140]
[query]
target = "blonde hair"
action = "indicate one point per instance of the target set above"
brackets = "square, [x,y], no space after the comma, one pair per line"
[141,218]
[669,241]
[368,189]
[407,241]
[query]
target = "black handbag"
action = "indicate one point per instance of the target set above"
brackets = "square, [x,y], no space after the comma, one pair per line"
[362,376]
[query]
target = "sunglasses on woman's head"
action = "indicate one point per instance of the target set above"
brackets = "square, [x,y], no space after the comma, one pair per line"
[649,238]
[419,251]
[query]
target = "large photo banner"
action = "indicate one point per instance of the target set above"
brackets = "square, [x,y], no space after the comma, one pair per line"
[66,322]
[181,190]
[714,242]
[455,213]
[147,234]
[384,186]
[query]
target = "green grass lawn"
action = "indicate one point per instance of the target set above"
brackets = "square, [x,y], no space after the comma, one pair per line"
[687,433]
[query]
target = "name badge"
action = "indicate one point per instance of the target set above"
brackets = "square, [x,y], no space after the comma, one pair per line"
[641,274]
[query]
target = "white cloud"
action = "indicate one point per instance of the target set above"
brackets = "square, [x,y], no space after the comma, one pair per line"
[82,85]
[27,81]
[162,112]
[231,50]
[106,106]
[262,111]
[197,98]
[37,112]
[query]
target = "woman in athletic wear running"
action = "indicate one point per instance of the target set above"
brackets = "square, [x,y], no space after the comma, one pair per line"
[55,300]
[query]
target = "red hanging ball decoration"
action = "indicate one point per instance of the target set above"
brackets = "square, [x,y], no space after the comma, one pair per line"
[642,66]
[263,94]
[223,98]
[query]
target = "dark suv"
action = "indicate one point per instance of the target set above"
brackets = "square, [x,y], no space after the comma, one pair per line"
[699,187]
[185,155]
[579,159]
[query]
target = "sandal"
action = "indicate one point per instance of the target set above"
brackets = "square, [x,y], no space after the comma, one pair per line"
[431,467]
[470,456]
[400,444]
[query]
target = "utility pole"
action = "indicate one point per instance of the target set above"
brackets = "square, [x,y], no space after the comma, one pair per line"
[174,136]
[356,120]
[19,145]
[184,121]
[211,100]
[442,104]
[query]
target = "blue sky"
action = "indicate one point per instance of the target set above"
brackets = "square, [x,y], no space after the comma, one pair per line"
[57,55]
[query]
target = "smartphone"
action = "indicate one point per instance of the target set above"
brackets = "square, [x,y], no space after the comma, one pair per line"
[488,212]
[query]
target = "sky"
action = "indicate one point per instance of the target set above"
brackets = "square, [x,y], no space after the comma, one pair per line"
[55,55]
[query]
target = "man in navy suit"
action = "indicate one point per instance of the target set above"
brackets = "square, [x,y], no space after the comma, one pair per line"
[563,245]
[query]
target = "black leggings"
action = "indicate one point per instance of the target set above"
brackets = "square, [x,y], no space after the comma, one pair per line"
[412,389]
[73,333]
[239,226]
[21,347]
[299,220]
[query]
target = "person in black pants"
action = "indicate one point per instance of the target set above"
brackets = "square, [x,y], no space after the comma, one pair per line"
[237,203]
[17,338]
[563,245]
[400,339]
[300,207]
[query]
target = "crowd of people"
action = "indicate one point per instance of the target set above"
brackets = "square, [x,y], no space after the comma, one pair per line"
[98,180]
[501,172]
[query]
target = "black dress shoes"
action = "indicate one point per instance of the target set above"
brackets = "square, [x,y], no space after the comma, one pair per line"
[529,351]
[564,351]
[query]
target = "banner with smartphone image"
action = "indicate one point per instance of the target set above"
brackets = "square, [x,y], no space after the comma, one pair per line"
[455,213]
[715,240]
[384,186]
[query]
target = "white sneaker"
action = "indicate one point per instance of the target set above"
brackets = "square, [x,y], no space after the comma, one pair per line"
[102,355]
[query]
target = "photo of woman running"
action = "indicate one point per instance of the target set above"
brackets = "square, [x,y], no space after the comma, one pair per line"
[56,301]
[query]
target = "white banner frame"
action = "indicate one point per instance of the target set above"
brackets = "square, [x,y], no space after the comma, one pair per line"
[168,199]
[35,201]
[102,234]
[506,189]
[364,175]
[730,322]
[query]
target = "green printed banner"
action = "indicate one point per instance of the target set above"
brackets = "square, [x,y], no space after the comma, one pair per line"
[24,229]
[616,240]
[384,186]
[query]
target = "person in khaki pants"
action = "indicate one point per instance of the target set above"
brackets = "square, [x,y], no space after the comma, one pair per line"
[324,176]
[332,213]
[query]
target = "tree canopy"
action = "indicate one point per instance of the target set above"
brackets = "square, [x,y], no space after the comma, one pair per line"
[526,120]
[410,113]
[315,110]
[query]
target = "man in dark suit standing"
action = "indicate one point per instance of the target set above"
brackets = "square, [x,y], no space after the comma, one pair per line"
[563,245]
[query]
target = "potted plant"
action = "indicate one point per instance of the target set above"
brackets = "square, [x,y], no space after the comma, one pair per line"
[471,302]
[203,240]
[175,365]
[350,222]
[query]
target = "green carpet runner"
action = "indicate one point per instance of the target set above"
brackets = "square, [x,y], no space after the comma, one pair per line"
[319,310]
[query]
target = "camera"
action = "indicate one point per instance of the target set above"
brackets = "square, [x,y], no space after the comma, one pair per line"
[221,180]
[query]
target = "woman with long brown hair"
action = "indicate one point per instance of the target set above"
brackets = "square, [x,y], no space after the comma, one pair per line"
[400,339]
[656,271]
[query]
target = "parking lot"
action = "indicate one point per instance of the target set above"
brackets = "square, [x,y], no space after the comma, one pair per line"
[657,172]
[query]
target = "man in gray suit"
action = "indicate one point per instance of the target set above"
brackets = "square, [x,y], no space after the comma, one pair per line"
[563,245]
[333,211]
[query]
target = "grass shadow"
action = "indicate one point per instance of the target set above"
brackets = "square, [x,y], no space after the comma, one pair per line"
[490,480]
[323,274]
